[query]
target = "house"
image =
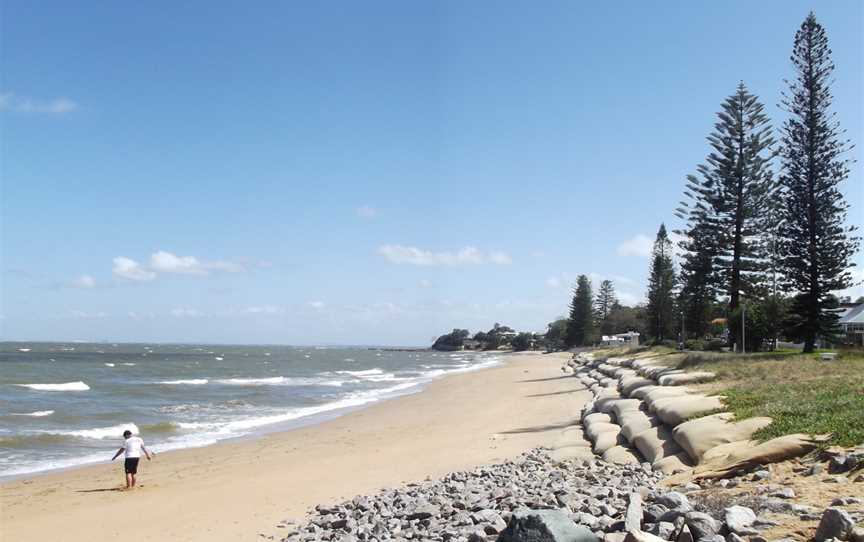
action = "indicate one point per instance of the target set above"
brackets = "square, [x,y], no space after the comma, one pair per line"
[852,323]
[631,338]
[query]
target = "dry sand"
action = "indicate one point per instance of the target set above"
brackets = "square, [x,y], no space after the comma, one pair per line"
[236,490]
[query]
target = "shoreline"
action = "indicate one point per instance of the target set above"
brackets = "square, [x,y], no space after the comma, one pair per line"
[237,489]
[282,426]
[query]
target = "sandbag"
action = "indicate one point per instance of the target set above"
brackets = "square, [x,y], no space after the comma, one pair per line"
[605,400]
[661,392]
[628,384]
[640,393]
[656,443]
[596,417]
[619,455]
[592,431]
[685,378]
[607,440]
[750,455]
[624,405]
[634,422]
[673,464]
[676,410]
[700,435]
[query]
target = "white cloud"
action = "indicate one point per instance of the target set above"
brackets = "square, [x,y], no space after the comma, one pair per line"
[57,106]
[129,269]
[166,262]
[425,283]
[84,282]
[264,309]
[627,298]
[186,312]
[400,254]
[84,315]
[553,282]
[640,245]
[317,305]
[366,211]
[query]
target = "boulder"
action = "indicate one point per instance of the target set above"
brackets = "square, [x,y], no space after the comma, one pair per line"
[740,519]
[701,524]
[656,443]
[544,526]
[639,536]
[835,523]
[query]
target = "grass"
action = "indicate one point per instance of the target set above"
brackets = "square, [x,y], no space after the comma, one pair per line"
[799,392]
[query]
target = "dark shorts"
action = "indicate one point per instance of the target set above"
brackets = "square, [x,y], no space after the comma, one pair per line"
[132,465]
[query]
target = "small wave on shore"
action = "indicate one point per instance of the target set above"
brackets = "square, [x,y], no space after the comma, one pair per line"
[114,431]
[189,382]
[66,386]
[37,414]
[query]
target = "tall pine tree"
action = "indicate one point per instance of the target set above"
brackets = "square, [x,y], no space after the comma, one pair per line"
[661,282]
[580,329]
[725,246]
[815,245]
[605,300]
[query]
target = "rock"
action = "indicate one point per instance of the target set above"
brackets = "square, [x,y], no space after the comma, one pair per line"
[633,516]
[762,474]
[740,519]
[640,536]
[715,538]
[816,469]
[614,537]
[664,530]
[544,526]
[701,524]
[673,499]
[842,463]
[845,501]
[835,523]
[491,521]
[685,535]
[856,534]
[836,480]
[785,493]
[690,486]
[732,537]
[422,511]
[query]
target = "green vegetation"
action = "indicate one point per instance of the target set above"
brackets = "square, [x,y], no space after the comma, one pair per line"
[801,393]
[580,331]
[661,282]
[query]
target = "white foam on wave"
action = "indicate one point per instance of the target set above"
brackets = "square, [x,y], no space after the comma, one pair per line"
[241,427]
[253,381]
[37,414]
[66,386]
[114,431]
[367,372]
[109,365]
[129,364]
[189,382]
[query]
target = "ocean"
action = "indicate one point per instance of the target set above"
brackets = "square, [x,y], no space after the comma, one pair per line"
[67,404]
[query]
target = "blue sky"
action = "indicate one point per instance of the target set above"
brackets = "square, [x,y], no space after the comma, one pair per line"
[361,173]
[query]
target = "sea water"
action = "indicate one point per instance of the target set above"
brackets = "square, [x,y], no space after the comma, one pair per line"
[67,404]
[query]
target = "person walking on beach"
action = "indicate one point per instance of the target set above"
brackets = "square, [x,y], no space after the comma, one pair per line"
[132,448]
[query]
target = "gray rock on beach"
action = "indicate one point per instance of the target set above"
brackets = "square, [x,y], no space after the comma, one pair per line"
[740,520]
[835,523]
[544,526]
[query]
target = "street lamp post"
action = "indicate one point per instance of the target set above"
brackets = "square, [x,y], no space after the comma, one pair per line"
[743,316]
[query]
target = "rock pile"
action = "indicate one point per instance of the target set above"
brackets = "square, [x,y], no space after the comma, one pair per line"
[479,505]
[537,498]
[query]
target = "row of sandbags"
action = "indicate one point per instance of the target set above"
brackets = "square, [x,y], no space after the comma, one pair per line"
[599,427]
[671,427]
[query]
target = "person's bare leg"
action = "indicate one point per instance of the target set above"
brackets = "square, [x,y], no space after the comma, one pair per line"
[133,480]
[130,480]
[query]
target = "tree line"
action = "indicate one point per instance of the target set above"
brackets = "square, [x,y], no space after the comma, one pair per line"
[764,241]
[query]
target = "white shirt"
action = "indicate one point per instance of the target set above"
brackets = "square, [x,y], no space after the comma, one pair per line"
[133,446]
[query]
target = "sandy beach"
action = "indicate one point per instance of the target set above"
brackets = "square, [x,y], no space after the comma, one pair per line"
[236,490]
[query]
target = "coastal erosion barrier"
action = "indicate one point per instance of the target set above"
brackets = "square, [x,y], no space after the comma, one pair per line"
[644,412]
